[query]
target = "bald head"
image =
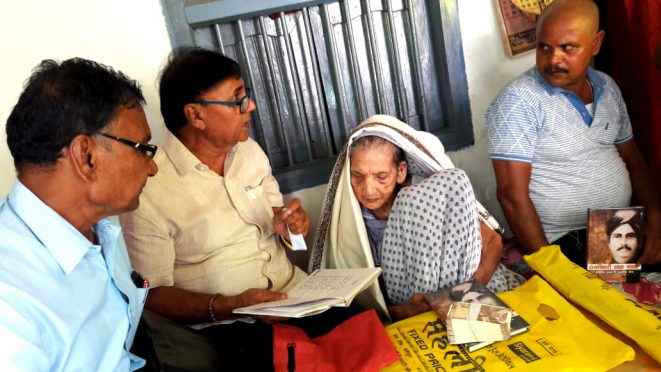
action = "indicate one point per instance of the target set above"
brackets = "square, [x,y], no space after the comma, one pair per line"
[583,12]
[567,39]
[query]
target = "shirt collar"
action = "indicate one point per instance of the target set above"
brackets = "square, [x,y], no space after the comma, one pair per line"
[108,234]
[183,160]
[598,83]
[64,242]
[597,89]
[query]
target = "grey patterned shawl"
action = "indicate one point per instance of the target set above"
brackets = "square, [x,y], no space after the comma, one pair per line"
[419,260]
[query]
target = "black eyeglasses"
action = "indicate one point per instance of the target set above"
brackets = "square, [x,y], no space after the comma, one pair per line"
[148,149]
[243,103]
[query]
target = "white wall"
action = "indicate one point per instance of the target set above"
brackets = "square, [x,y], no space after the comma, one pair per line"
[488,69]
[129,35]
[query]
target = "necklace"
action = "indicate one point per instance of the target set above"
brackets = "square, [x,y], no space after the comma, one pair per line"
[591,93]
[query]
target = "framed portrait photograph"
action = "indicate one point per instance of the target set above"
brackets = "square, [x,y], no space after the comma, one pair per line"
[615,242]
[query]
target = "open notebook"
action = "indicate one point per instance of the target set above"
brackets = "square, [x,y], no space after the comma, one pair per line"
[317,293]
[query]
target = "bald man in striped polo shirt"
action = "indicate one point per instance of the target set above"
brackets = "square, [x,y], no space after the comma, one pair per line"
[561,141]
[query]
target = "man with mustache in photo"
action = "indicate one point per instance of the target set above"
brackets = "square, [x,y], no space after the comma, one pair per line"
[561,141]
[624,237]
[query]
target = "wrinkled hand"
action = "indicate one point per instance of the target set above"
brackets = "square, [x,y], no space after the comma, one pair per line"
[413,306]
[652,251]
[224,305]
[257,296]
[254,296]
[441,306]
[292,215]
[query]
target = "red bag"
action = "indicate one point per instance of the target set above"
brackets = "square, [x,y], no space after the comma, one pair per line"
[359,344]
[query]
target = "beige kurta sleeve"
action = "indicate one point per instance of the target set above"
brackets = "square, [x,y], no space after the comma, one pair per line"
[149,244]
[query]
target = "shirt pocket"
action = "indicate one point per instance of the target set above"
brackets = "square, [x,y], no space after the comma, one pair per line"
[254,193]
[606,127]
[260,207]
[605,134]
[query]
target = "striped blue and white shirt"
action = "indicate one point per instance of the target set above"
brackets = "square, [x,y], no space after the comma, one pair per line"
[575,164]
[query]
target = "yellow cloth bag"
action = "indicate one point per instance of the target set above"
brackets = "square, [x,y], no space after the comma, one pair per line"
[566,343]
[640,322]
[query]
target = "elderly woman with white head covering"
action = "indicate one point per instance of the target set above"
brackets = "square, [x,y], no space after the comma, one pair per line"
[425,233]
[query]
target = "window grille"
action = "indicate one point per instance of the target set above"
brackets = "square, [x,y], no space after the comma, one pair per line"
[319,68]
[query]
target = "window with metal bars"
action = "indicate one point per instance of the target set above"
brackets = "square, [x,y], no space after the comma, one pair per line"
[319,68]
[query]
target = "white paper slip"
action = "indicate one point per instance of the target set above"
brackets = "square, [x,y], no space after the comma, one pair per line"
[297,241]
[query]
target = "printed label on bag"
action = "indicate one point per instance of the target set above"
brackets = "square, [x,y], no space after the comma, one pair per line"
[419,350]
[522,351]
[549,347]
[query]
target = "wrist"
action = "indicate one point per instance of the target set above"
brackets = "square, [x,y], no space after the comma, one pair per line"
[284,241]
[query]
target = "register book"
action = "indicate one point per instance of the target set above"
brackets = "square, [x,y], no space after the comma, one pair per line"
[317,293]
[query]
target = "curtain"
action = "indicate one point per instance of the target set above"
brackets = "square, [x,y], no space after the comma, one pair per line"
[631,54]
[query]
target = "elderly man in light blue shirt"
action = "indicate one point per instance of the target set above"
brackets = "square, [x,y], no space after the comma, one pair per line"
[69,300]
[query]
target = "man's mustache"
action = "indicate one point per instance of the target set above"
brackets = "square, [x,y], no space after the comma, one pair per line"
[555,70]
[624,247]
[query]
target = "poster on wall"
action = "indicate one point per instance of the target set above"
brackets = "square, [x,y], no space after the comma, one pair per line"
[517,20]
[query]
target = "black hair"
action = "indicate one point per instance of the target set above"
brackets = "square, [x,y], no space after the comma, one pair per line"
[61,101]
[636,223]
[188,73]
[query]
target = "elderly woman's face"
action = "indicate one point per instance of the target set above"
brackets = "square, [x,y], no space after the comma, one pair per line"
[374,177]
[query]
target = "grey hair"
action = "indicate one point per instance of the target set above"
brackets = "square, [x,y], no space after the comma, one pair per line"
[373,142]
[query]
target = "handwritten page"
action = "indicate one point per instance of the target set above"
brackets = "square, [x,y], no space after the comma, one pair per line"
[337,283]
[319,291]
